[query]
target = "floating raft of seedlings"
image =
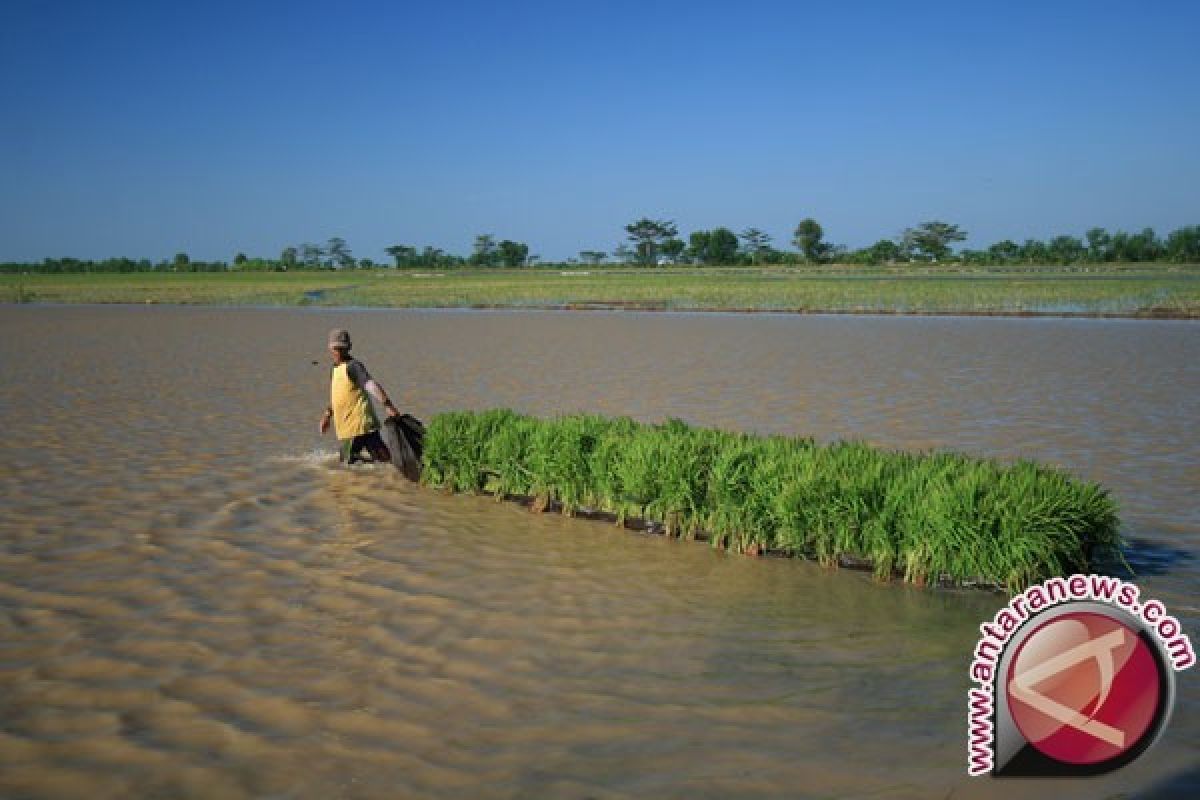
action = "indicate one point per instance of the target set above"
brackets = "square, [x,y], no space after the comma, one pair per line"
[929,518]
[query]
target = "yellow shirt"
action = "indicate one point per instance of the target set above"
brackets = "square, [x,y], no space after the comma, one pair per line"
[352,412]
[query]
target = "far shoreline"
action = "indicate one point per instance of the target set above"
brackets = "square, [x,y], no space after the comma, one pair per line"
[1118,294]
[1152,314]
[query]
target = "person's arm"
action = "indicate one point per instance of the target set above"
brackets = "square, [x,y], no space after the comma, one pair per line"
[379,394]
[358,373]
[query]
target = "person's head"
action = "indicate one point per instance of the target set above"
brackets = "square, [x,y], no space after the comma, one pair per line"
[339,344]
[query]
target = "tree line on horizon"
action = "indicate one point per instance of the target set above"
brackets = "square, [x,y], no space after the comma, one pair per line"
[656,243]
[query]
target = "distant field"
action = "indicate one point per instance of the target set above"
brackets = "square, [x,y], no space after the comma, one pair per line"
[1159,291]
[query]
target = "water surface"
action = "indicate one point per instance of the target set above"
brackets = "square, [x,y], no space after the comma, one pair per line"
[196,601]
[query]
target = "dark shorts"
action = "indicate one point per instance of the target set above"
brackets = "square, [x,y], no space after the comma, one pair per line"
[351,449]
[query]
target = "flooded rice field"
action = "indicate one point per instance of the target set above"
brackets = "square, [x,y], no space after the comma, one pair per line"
[197,601]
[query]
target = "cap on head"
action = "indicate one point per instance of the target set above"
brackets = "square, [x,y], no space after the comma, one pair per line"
[339,338]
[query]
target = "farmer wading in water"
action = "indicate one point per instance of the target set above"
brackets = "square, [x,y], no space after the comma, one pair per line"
[354,420]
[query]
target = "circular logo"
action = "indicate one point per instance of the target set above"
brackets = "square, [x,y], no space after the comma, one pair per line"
[1084,688]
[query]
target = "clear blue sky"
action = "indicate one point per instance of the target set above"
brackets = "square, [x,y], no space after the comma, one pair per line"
[142,129]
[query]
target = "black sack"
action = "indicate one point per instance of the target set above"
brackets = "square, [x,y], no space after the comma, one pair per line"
[405,436]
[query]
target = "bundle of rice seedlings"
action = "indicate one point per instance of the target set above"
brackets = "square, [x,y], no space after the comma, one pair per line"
[506,454]
[931,517]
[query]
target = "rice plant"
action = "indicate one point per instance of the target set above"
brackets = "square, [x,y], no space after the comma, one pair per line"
[930,518]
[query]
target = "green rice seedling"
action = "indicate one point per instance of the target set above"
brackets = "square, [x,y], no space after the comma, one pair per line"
[446,439]
[593,433]
[848,503]
[893,485]
[822,511]
[636,472]
[740,487]
[932,532]
[1015,530]
[1047,524]
[685,457]
[919,519]
[1098,522]
[559,460]
[608,492]
[506,455]
[866,517]
[934,517]
[474,467]
[772,468]
[542,464]
[801,490]
[456,448]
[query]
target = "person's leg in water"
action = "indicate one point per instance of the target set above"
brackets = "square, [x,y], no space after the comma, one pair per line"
[372,442]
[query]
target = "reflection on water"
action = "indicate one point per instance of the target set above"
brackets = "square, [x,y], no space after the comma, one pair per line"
[196,600]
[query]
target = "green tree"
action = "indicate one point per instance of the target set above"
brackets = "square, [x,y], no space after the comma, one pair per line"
[1118,246]
[718,246]
[697,249]
[402,254]
[757,245]
[1066,249]
[885,251]
[932,239]
[1005,252]
[484,253]
[808,238]
[1183,245]
[289,257]
[1144,246]
[1099,243]
[431,257]
[311,255]
[673,249]
[1034,251]
[240,259]
[339,253]
[648,236]
[181,262]
[512,254]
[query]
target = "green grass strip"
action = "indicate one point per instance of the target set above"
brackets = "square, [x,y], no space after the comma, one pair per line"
[928,518]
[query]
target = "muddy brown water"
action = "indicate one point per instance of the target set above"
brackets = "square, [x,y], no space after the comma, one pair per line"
[196,601]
